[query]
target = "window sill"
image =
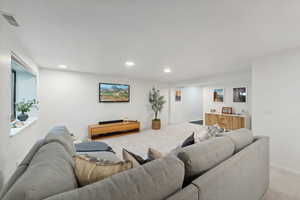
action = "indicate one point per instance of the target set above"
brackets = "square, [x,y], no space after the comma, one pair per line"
[27,123]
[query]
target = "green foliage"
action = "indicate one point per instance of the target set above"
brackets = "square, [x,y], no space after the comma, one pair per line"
[157,101]
[26,106]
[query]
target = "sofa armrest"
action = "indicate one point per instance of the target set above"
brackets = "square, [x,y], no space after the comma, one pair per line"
[243,176]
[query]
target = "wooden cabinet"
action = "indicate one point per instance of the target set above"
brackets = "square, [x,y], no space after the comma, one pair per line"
[225,122]
[211,119]
[228,122]
[238,122]
[130,126]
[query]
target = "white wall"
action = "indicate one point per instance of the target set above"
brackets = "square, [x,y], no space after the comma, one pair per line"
[189,108]
[208,102]
[276,109]
[12,149]
[71,99]
[198,95]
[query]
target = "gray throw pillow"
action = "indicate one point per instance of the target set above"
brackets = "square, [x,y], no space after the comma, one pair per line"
[153,154]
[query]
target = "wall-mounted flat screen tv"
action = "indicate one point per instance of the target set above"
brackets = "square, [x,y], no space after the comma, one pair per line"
[111,92]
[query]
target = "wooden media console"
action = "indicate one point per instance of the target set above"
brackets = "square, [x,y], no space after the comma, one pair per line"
[110,128]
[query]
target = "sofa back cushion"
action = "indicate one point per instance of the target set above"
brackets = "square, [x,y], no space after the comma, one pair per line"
[155,180]
[62,135]
[241,138]
[202,156]
[244,176]
[50,172]
[190,192]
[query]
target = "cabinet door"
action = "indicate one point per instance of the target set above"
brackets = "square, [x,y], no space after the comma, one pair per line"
[211,119]
[225,122]
[238,123]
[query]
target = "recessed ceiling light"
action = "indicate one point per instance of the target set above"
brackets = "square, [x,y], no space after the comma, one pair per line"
[167,70]
[129,64]
[63,66]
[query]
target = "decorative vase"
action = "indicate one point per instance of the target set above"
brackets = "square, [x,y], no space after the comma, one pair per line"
[156,124]
[22,117]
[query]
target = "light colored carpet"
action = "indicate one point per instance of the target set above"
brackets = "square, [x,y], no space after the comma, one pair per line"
[283,185]
[163,140]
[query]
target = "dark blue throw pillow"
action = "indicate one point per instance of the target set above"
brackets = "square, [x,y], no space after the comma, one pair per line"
[138,158]
[189,141]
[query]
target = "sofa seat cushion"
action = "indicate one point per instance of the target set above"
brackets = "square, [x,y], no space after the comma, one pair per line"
[155,180]
[241,138]
[62,135]
[50,172]
[202,156]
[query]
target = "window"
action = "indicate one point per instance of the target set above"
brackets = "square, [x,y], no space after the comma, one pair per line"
[13,95]
[23,85]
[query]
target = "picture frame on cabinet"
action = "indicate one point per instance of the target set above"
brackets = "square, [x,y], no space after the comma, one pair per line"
[227,110]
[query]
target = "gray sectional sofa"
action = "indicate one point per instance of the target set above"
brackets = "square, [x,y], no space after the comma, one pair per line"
[233,167]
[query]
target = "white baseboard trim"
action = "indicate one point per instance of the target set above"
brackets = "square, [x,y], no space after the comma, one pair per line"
[181,122]
[277,167]
[196,119]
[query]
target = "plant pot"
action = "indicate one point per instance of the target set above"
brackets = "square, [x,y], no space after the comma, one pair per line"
[156,124]
[22,117]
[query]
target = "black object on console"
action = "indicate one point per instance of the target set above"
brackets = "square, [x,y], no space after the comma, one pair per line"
[110,122]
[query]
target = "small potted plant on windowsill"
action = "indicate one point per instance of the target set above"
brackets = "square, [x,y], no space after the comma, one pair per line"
[24,107]
[157,102]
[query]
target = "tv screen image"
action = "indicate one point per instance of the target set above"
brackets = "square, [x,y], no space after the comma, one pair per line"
[111,92]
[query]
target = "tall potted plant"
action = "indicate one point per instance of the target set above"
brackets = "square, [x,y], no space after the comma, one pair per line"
[157,102]
[24,107]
